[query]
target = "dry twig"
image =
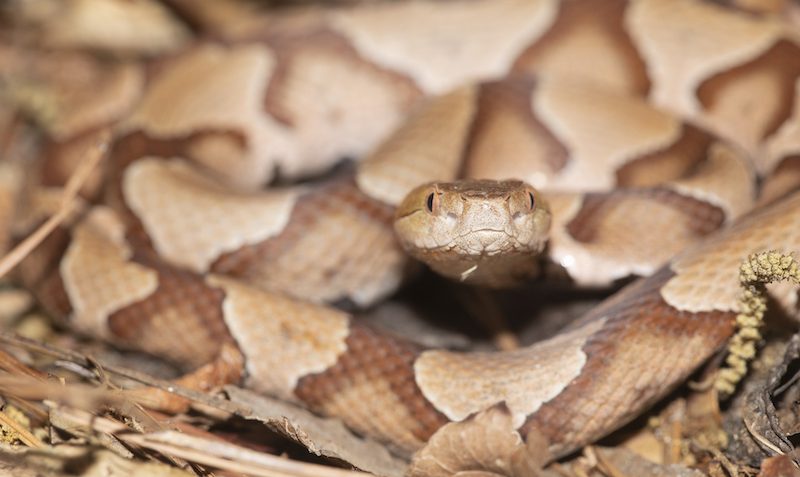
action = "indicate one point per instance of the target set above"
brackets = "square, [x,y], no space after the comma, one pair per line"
[71,190]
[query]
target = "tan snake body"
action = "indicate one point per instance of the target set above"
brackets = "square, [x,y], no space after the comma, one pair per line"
[188,258]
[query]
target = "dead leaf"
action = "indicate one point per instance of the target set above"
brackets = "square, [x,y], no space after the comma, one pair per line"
[78,461]
[620,462]
[324,437]
[778,466]
[483,445]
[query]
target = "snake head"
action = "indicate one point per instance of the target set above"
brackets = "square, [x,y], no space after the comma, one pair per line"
[483,232]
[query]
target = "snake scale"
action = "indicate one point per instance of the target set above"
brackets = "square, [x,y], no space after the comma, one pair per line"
[665,137]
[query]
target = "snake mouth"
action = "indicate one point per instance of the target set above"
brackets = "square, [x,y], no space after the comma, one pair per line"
[484,241]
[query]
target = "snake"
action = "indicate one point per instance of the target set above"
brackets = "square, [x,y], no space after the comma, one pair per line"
[618,140]
[482,232]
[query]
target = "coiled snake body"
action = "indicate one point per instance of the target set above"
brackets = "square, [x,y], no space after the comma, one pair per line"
[188,257]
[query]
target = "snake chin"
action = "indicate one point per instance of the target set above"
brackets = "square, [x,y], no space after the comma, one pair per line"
[486,243]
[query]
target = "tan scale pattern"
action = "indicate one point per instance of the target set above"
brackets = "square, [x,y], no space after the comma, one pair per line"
[282,339]
[726,180]
[242,78]
[588,43]
[719,39]
[129,148]
[644,349]
[782,181]
[602,237]
[634,357]
[731,108]
[145,28]
[181,321]
[706,277]
[375,360]
[786,140]
[375,410]
[336,103]
[224,19]
[761,7]
[97,274]
[673,162]
[460,384]
[609,384]
[429,146]
[192,220]
[207,148]
[69,93]
[229,98]
[338,245]
[426,39]
[508,141]
[600,129]
[106,101]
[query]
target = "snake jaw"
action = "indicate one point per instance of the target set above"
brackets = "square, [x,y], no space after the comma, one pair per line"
[493,230]
[484,242]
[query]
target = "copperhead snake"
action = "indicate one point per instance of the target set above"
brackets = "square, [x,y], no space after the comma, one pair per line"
[636,122]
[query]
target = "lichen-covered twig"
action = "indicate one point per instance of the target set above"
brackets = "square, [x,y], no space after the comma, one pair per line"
[755,273]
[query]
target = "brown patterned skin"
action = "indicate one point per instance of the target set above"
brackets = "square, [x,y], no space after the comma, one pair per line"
[259,111]
[181,314]
[373,384]
[337,246]
[586,226]
[259,90]
[642,349]
[636,356]
[333,243]
[673,184]
[629,351]
[644,345]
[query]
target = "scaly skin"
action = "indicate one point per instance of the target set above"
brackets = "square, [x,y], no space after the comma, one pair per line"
[483,232]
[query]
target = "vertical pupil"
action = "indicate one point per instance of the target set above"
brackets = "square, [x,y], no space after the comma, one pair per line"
[533,200]
[430,202]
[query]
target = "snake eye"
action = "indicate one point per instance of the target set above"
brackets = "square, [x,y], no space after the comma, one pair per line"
[532,199]
[430,202]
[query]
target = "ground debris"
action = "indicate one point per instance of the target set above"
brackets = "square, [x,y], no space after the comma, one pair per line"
[83,461]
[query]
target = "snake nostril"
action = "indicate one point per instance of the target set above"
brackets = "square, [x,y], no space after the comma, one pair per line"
[532,200]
